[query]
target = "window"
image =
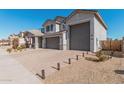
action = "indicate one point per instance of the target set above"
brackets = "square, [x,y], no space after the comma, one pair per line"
[47,28]
[64,27]
[42,29]
[51,27]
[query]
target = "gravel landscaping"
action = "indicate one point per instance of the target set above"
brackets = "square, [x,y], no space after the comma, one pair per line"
[81,71]
[87,72]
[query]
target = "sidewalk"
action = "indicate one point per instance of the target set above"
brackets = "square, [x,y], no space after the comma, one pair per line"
[11,72]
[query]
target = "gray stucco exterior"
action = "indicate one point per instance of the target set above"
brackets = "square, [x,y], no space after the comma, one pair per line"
[99,34]
[82,18]
[61,29]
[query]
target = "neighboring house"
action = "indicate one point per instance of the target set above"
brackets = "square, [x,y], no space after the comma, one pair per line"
[12,38]
[30,38]
[81,30]
[4,42]
[19,37]
[34,38]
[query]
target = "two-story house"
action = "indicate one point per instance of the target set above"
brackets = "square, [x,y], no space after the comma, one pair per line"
[81,30]
[54,33]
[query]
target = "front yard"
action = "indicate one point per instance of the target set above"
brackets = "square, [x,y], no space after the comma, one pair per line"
[81,71]
[87,72]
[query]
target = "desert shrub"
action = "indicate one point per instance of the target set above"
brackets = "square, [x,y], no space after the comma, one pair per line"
[19,48]
[100,57]
[99,53]
[23,46]
[9,50]
[103,58]
[92,59]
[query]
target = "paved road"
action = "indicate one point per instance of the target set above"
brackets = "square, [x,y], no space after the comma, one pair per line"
[11,72]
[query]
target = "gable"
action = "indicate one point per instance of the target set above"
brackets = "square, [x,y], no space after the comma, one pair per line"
[85,15]
[48,22]
[59,18]
[79,18]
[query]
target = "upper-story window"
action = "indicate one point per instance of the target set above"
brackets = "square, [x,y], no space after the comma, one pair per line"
[49,28]
[64,27]
[42,30]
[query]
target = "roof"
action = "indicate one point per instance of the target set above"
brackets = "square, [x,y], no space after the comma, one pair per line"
[60,18]
[57,19]
[36,32]
[94,12]
[49,20]
[3,40]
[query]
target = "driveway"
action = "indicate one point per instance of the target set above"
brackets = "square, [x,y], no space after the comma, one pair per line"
[12,72]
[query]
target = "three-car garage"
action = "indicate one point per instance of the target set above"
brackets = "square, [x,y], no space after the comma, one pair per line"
[79,38]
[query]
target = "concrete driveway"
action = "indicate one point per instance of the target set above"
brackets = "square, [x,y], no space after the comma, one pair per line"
[12,72]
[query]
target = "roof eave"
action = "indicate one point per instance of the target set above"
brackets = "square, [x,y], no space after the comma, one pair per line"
[100,19]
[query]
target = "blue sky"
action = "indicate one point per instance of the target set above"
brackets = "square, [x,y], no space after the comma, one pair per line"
[14,21]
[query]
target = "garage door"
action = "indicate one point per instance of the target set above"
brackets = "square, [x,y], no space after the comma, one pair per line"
[80,36]
[52,43]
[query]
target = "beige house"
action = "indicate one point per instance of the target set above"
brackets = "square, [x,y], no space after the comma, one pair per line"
[11,38]
[30,38]
[4,42]
[33,38]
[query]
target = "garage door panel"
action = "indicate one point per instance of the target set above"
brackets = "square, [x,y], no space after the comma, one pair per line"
[52,43]
[80,37]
